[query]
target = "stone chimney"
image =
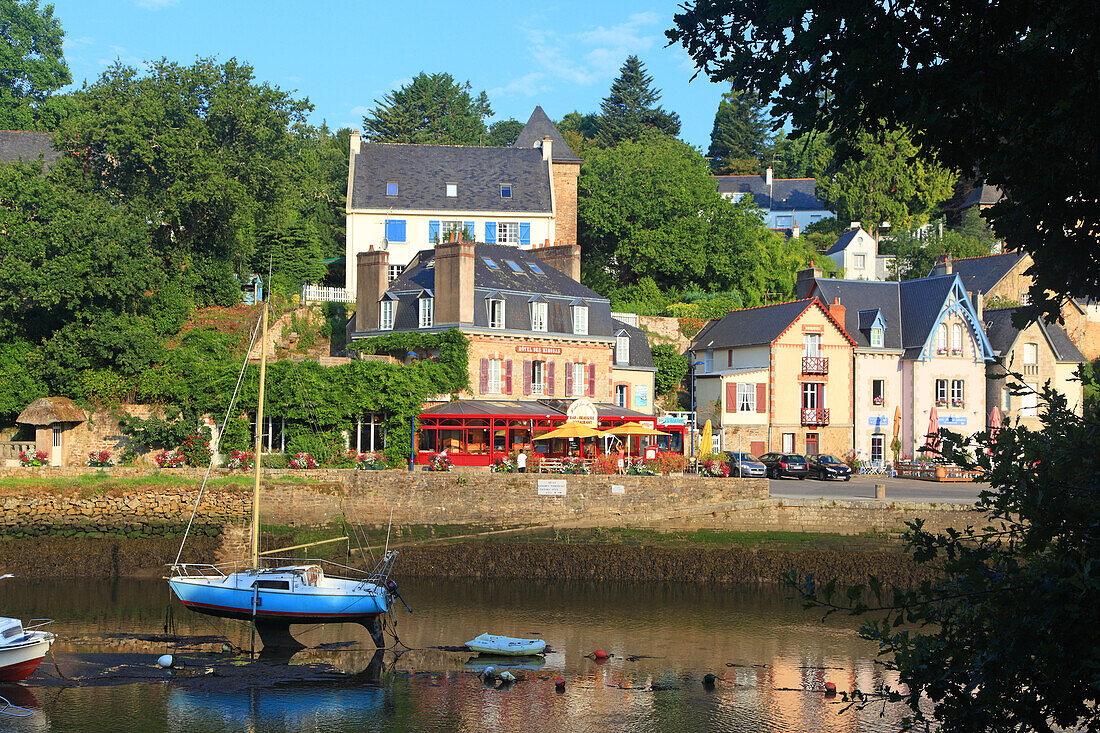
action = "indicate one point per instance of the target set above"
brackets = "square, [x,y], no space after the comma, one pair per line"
[562,257]
[547,148]
[944,265]
[836,310]
[979,305]
[804,280]
[768,176]
[373,268]
[356,142]
[854,225]
[454,283]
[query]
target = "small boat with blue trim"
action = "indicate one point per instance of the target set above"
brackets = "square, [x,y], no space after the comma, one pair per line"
[505,646]
[22,648]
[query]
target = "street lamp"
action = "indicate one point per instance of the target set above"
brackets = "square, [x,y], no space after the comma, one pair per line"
[693,421]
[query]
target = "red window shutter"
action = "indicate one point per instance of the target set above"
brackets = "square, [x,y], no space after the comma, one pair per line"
[550,379]
[484,376]
[568,379]
[591,380]
[761,397]
[729,358]
[526,376]
[731,397]
[508,376]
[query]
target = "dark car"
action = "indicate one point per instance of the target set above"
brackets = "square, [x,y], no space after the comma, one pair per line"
[745,465]
[785,464]
[824,466]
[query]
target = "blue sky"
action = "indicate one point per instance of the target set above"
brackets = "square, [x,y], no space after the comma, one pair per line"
[344,55]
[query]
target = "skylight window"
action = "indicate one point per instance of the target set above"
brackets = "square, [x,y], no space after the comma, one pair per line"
[506,190]
[514,266]
[536,269]
[391,189]
[492,265]
[452,190]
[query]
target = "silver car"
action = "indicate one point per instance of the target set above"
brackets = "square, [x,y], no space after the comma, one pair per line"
[745,465]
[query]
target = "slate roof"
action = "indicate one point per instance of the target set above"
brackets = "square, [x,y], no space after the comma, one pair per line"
[640,353]
[787,194]
[981,274]
[983,195]
[921,303]
[862,296]
[27,147]
[1002,335]
[540,126]
[845,239]
[749,326]
[422,173]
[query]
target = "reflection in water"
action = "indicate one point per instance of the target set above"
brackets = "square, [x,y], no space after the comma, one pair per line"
[770,658]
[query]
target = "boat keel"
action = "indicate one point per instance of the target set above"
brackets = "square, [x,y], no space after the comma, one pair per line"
[275,635]
[374,628]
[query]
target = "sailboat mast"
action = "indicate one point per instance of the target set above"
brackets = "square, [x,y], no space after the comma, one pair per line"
[259,442]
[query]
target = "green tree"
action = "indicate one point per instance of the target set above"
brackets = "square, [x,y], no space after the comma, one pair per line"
[740,137]
[671,366]
[580,131]
[806,156]
[503,133]
[885,179]
[20,378]
[32,64]
[648,208]
[917,252]
[1001,88]
[430,110]
[631,108]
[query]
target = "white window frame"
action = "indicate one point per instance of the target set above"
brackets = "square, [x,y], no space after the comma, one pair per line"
[620,389]
[538,377]
[508,232]
[498,323]
[860,261]
[1029,403]
[956,337]
[1031,353]
[580,320]
[811,345]
[880,386]
[394,273]
[493,384]
[446,227]
[941,390]
[877,337]
[539,312]
[622,348]
[878,446]
[958,391]
[941,337]
[385,315]
[746,397]
[426,311]
[506,187]
[452,190]
[580,379]
[708,361]
[809,395]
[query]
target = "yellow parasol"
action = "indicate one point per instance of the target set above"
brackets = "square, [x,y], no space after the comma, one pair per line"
[706,442]
[897,421]
[571,430]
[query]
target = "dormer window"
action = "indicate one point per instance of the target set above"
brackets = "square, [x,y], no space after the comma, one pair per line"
[391,189]
[452,190]
[538,316]
[385,315]
[580,319]
[622,348]
[496,312]
[506,190]
[877,337]
[427,312]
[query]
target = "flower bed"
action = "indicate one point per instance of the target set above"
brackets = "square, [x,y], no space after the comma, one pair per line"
[927,471]
[303,461]
[38,458]
[439,462]
[368,461]
[170,459]
[100,459]
[241,460]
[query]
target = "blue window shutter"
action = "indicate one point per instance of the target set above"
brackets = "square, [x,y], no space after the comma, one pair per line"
[490,232]
[470,228]
[433,231]
[524,234]
[399,231]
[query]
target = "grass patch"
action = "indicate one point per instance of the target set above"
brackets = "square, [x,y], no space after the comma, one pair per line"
[711,539]
[101,482]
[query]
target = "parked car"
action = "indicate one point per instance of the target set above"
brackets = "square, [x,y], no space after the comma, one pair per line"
[824,466]
[745,465]
[785,464]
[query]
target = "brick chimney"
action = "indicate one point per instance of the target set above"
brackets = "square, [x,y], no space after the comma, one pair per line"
[945,264]
[372,273]
[562,257]
[454,282]
[804,280]
[836,310]
[768,176]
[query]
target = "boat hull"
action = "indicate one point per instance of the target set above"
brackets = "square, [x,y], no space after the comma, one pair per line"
[19,662]
[300,606]
[506,646]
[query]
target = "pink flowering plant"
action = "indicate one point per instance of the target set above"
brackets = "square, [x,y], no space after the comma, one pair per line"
[244,460]
[38,458]
[439,462]
[100,459]
[170,459]
[714,468]
[503,464]
[303,461]
[368,461]
[574,467]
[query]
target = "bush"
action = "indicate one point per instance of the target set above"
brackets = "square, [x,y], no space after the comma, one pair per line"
[672,367]
[274,460]
[241,460]
[641,467]
[303,461]
[366,461]
[38,458]
[170,459]
[669,463]
[100,459]
[237,436]
[605,465]
[195,449]
[439,462]
[713,468]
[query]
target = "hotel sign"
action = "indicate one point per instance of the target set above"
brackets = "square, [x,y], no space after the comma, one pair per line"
[551,487]
[952,420]
[539,349]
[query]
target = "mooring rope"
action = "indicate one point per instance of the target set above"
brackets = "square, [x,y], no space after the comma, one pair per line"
[218,442]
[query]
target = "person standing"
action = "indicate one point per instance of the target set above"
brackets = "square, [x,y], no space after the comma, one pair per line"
[622,460]
[521,462]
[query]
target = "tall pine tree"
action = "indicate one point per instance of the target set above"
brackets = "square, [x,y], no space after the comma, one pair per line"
[740,136]
[631,108]
[430,110]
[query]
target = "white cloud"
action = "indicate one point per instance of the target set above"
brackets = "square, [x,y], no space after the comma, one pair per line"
[360,111]
[155,4]
[527,85]
[79,42]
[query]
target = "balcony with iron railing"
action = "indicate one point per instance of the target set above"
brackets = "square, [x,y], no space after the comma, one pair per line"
[815,417]
[815,365]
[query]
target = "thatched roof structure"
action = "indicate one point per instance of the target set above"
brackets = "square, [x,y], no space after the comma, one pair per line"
[50,410]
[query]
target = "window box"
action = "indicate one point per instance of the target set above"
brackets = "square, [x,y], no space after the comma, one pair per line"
[879,401]
[941,403]
[956,352]
[942,351]
[958,403]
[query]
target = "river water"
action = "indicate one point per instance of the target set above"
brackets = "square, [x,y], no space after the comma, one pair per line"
[771,657]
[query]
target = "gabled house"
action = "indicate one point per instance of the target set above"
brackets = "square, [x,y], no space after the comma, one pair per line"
[405,198]
[856,251]
[1040,353]
[776,378]
[919,344]
[786,203]
[18,146]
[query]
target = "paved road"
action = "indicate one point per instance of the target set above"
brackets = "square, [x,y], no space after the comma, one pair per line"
[863,487]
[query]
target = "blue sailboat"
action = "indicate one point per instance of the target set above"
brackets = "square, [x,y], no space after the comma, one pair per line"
[274,592]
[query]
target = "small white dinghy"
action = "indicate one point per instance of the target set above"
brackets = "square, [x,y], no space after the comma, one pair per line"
[22,647]
[506,645]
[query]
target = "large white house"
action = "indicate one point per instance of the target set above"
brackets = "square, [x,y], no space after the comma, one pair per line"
[786,203]
[856,251]
[406,198]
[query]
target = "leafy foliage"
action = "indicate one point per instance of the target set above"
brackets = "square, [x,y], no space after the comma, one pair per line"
[739,140]
[32,65]
[671,365]
[20,378]
[1004,89]
[503,133]
[917,252]
[805,156]
[430,110]
[631,108]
